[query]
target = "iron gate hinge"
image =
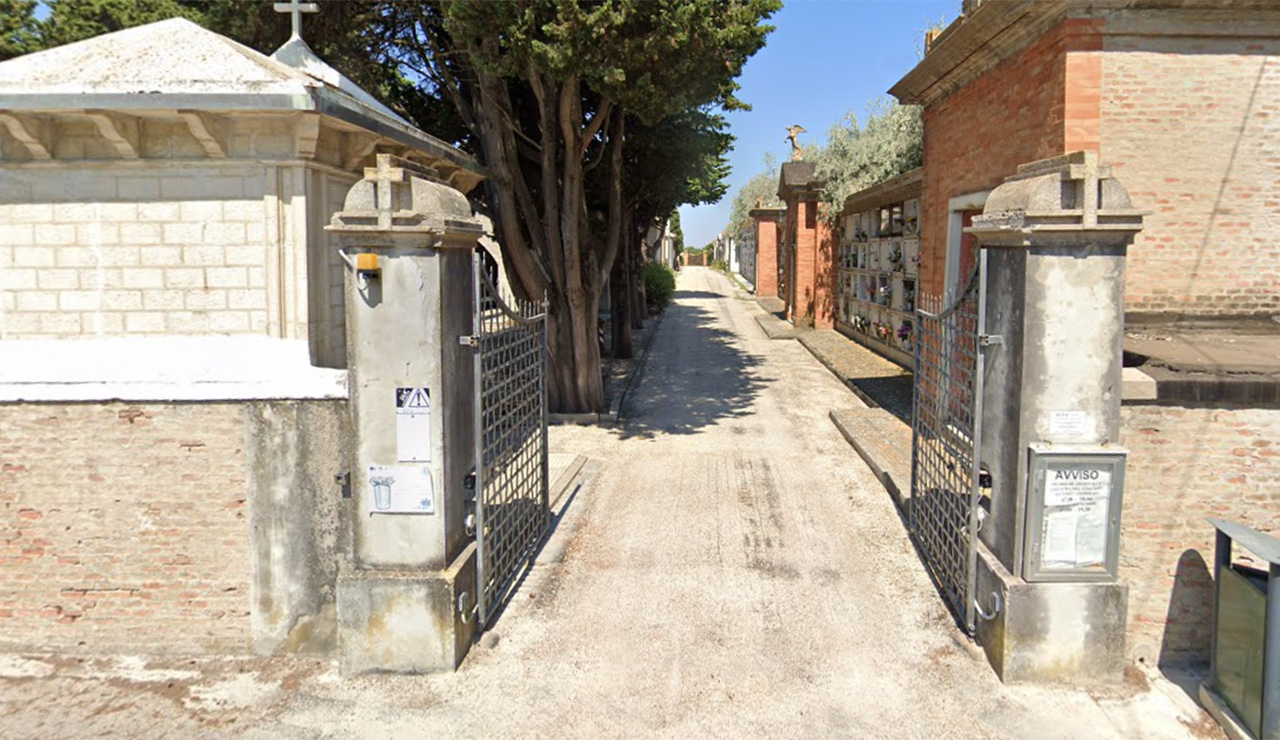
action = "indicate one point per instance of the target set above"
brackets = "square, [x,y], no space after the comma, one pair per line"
[987,340]
[469,341]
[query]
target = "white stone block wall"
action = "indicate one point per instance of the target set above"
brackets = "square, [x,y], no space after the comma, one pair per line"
[144,250]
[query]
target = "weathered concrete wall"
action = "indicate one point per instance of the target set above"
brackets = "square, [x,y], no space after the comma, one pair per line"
[134,526]
[1050,632]
[1058,313]
[1185,465]
[390,349]
[300,532]
[1191,125]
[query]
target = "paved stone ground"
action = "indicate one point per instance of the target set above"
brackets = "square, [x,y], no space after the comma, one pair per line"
[875,379]
[731,569]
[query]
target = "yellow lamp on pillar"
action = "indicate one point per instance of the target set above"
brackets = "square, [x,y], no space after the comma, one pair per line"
[367,265]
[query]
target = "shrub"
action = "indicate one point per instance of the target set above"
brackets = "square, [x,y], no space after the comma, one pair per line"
[659,284]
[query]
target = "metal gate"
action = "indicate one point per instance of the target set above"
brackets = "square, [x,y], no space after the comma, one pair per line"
[946,434]
[511,510]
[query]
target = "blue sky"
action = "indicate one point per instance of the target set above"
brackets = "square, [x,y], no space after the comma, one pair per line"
[826,58]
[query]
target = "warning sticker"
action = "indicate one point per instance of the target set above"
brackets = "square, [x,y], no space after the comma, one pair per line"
[413,425]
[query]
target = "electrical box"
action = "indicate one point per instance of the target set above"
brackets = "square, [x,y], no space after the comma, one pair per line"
[1073,512]
[1244,663]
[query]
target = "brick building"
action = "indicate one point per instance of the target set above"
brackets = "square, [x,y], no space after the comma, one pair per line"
[173,395]
[1179,98]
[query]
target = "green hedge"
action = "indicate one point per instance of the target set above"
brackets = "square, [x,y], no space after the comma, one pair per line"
[659,284]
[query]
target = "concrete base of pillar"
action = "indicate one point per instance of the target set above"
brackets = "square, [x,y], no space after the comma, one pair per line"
[405,621]
[1051,632]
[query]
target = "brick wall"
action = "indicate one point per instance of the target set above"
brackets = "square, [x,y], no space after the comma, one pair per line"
[141,251]
[124,527]
[813,280]
[1185,465]
[979,135]
[1191,127]
[1015,113]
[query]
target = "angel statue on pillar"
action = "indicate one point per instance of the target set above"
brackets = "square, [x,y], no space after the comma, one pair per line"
[792,133]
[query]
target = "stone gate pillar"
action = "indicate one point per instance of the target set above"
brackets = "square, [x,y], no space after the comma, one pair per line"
[767,222]
[408,239]
[1054,239]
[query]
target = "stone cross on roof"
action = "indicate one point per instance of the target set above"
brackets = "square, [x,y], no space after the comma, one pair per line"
[296,9]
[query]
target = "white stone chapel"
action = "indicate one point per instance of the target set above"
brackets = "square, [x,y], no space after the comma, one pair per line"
[163,193]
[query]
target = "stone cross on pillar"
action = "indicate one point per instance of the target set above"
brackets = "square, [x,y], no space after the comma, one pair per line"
[385,175]
[1089,174]
[295,9]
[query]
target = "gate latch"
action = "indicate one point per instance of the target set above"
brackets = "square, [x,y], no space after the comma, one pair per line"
[988,340]
[469,341]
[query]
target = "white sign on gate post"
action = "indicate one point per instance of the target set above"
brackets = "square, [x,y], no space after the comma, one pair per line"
[1074,504]
[400,489]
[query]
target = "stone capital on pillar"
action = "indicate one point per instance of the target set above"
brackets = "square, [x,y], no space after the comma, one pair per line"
[403,204]
[1065,201]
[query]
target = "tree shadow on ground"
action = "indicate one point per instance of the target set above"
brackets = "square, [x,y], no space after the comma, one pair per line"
[693,294]
[695,377]
[891,393]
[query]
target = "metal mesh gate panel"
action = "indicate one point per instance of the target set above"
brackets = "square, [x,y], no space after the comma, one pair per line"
[946,430]
[511,438]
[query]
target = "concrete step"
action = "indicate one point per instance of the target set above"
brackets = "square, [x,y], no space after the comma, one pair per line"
[884,443]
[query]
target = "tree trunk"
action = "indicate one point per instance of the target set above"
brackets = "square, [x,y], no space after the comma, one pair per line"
[554,254]
[635,288]
[620,310]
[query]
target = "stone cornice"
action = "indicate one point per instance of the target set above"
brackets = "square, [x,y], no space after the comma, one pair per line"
[32,136]
[767,213]
[902,187]
[999,29]
[975,43]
